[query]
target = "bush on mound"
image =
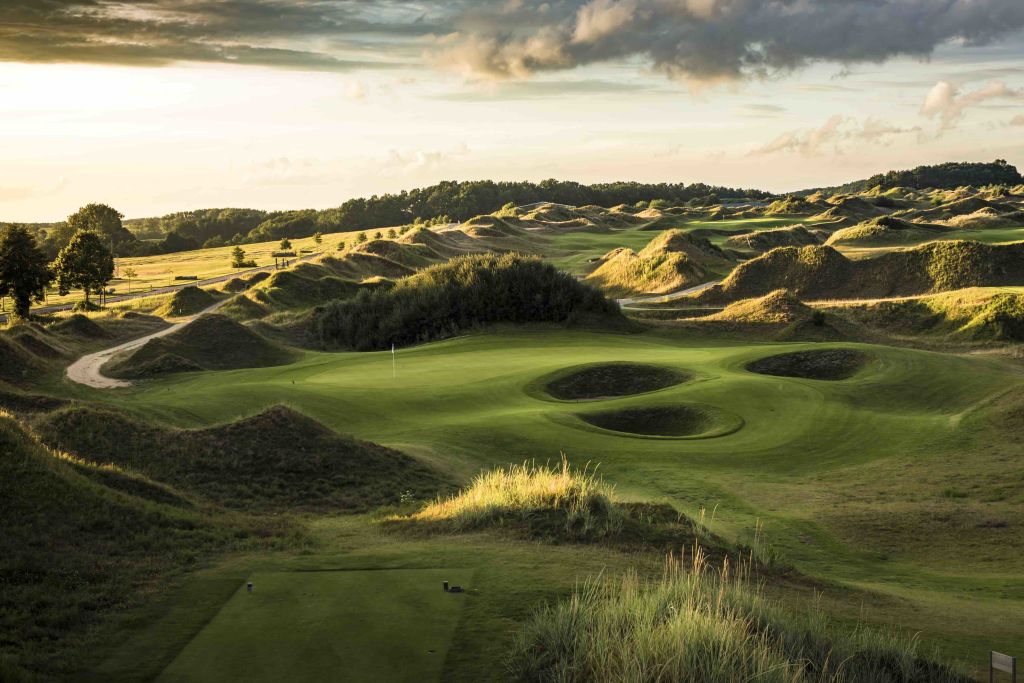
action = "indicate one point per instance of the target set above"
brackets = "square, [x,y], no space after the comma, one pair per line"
[698,625]
[211,342]
[461,294]
[278,459]
[72,550]
[607,380]
[186,301]
[672,260]
[826,364]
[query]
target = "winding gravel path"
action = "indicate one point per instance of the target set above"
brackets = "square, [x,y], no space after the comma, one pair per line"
[86,370]
[672,296]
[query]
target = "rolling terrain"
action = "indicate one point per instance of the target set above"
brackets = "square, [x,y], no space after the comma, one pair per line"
[840,416]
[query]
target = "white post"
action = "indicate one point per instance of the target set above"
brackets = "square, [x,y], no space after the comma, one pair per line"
[393,370]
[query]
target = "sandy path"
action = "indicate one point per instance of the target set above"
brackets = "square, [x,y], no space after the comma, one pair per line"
[661,298]
[86,370]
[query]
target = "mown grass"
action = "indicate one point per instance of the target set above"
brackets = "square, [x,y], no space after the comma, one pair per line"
[706,626]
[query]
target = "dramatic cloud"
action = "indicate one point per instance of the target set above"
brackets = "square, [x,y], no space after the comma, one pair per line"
[945,101]
[834,134]
[715,40]
[692,40]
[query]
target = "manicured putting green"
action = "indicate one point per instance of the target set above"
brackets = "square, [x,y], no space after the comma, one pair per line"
[364,625]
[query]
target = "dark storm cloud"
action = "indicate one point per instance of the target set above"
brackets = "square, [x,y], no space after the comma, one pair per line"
[701,40]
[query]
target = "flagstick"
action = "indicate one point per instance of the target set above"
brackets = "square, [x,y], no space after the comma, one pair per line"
[393,371]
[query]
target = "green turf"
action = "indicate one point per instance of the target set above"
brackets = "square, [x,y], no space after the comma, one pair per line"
[849,480]
[379,625]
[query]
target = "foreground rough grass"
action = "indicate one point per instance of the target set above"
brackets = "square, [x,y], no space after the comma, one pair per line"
[705,626]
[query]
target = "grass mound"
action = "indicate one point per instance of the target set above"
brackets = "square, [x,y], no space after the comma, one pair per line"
[689,420]
[773,308]
[305,286]
[185,302]
[79,326]
[278,459]
[824,364]
[607,380]
[672,260]
[235,285]
[887,230]
[461,294]
[821,272]
[21,402]
[72,550]
[706,626]
[34,339]
[211,342]
[559,503]
[17,365]
[764,240]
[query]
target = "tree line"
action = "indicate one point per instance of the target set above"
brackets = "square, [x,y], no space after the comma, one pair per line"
[452,200]
[947,176]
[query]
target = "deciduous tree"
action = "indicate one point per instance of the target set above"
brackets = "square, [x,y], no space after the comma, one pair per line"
[24,273]
[84,263]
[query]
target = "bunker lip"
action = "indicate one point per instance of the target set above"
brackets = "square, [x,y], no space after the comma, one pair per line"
[606,380]
[676,421]
[820,364]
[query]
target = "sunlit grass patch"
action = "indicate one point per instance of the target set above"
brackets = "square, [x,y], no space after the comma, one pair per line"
[703,625]
[579,496]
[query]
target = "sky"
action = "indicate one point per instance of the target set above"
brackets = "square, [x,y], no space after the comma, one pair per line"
[157,106]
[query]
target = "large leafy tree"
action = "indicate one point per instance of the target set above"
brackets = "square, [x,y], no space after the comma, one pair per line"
[24,272]
[84,263]
[102,219]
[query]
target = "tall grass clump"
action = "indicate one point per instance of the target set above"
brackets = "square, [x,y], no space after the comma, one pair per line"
[577,498]
[705,626]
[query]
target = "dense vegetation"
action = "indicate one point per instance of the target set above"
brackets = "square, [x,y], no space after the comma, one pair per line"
[947,176]
[698,625]
[463,293]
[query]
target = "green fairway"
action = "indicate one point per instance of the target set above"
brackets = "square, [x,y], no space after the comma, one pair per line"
[881,482]
[386,625]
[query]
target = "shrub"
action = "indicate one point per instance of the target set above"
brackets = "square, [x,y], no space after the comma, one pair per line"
[457,295]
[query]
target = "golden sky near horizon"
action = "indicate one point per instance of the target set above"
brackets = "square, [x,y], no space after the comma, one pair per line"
[161,106]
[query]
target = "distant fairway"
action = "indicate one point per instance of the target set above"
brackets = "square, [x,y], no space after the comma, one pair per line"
[373,625]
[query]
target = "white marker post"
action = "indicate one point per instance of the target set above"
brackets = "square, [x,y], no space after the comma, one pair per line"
[393,370]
